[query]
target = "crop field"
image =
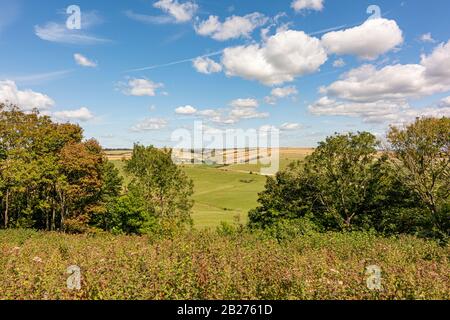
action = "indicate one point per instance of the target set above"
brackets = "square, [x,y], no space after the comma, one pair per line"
[223,193]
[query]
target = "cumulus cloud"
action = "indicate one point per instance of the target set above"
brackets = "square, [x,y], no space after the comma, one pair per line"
[290,126]
[82,114]
[382,111]
[180,12]
[244,103]
[233,27]
[83,61]
[368,84]
[150,124]
[280,59]
[427,37]
[300,5]
[206,65]
[382,95]
[367,41]
[445,102]
[280,93]
[186,110]
[339,63]
[140,87]
[25,99]
[238,114]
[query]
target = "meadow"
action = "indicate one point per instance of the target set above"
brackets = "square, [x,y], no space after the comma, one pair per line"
[221,265]
[222,193]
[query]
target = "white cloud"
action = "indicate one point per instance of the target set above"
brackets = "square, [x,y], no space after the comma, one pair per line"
[58,32]
[427,37]
[339,63]
[233,27]
[244,103]
[247,113]
[382,95]
[445,102]
[437,64]
[150,124]
[283,57]
[299,5]
[25,99]
[280,93]
[149,19]
[367,41]
[186,110]
[180,12]
[83,61]
[284,92]
[141,87]
[382,111]
[82,114]
[394,82]
[206,65]
[290,126]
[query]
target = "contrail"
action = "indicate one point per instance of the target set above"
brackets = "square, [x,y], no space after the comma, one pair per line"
[176,62]
[327,30]
[216,53]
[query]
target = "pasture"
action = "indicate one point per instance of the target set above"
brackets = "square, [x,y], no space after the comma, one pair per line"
[223,193]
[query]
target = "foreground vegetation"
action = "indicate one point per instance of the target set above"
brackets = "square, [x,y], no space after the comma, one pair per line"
[229,264]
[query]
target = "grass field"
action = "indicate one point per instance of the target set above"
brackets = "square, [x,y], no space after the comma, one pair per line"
[223,193]
[208,265]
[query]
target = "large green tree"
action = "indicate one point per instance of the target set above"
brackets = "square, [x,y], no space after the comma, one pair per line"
[49,177]
[163,185]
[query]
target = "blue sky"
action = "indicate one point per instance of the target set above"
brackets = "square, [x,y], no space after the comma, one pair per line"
[138,70]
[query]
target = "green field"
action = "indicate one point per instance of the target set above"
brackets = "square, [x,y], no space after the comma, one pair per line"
[220,195]
[224,193]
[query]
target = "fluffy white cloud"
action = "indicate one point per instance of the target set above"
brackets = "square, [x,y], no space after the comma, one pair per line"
[244,103]
[368,84]
[299,5]
[150,124]
[427,37]
[382,95]
[247,113]
[437,64]
[83,61]
[280,59]
[290,126]
[232,28]
[206,65]
[181,12]
[141,87]
[382,111]
[280,93]
[367,41]
[284,92]
[82,114]
[445,102]
[25,99]
[186,110]
[339,63]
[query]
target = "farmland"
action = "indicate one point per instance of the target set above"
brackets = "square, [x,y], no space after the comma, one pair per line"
[222,193]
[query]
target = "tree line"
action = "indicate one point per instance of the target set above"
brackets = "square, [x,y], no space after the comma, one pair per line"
[52,179]
[352,182]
